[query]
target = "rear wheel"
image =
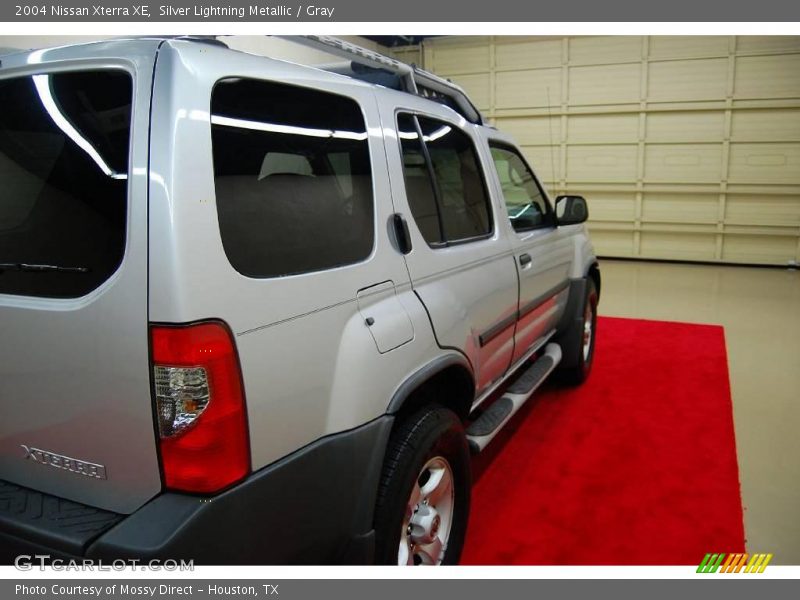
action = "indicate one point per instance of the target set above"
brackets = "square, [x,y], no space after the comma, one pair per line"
[423,499]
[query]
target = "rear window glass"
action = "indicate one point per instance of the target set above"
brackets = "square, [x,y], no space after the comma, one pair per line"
[292,176]
[64,142]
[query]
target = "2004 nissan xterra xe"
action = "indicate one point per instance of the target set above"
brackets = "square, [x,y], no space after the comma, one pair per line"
[257,312]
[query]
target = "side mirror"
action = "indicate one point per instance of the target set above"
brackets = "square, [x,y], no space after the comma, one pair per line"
[571,210]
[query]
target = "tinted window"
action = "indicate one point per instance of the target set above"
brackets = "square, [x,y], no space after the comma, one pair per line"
[462,194]
[447,195]
[419,185]
[64,142]
[292,176]
[525,202]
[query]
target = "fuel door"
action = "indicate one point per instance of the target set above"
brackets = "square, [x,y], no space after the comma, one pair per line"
[385,317]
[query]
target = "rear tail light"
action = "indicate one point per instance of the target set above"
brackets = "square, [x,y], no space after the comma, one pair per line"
[200,407]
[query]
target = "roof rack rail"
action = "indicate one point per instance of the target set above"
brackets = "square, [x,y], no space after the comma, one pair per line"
[413,79]
[203,39]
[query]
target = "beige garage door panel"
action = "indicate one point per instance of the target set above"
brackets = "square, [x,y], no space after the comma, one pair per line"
[774,125]
[526,55]
[601,163]
[758,249]
[776,211]
[680,208]
[686,147]
[768,76]
[528,89]
[683,163]
[618,207]
[774,44]
[593,129]
[545,160]
[688,80]
[687,46]
[686,126]
[462,59]
[607,84]
[598,50]
[531,131]
[693,246]
[765,163]
[612,243]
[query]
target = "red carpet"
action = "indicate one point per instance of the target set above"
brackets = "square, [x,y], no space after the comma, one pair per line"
[636,467]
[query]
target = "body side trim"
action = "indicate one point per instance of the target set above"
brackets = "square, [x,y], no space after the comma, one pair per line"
[539,300]
[499,327]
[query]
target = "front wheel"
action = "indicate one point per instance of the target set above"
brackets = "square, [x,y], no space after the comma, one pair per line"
[423,499]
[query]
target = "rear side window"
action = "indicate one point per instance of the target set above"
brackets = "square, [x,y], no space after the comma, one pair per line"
[64,141]
[292,176]
[444,185]
[419,184]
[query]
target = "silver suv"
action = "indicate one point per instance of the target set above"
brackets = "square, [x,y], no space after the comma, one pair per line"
[257,312]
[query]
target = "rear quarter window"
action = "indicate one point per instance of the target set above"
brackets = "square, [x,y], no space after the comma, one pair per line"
[64,143]
[292,176]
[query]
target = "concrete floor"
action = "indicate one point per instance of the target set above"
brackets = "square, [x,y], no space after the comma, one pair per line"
[760,310]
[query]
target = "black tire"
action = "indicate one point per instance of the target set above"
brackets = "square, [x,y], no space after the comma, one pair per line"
[574,351]
[430,433]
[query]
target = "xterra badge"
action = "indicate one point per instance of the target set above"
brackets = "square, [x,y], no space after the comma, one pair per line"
[59,461]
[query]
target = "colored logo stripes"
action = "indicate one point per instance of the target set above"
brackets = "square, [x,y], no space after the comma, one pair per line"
[734,563]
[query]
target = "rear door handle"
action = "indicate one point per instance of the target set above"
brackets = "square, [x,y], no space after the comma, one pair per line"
[524,259]
[401,233]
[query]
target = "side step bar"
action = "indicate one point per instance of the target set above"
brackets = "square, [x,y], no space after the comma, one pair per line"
[489,424]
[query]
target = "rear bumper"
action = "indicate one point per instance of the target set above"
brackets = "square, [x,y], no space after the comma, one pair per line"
[314,506]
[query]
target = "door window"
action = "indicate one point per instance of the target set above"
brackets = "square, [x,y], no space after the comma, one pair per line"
[525,202]
[444,184]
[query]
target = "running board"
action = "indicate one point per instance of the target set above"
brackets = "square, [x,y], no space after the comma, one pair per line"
[489,424]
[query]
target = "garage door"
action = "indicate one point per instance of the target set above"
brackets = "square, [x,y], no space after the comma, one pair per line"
[686,147]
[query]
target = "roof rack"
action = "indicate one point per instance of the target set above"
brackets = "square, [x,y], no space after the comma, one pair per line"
[203,39]
[412,79]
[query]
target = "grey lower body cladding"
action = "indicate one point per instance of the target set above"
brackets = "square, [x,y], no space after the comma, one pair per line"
[314,506]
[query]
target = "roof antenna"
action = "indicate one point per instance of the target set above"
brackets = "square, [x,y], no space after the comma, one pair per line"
[550,128]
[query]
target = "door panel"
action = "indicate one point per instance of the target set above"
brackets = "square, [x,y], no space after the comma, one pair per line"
[468,286]
[466,303]
[542,252]
[543,285]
